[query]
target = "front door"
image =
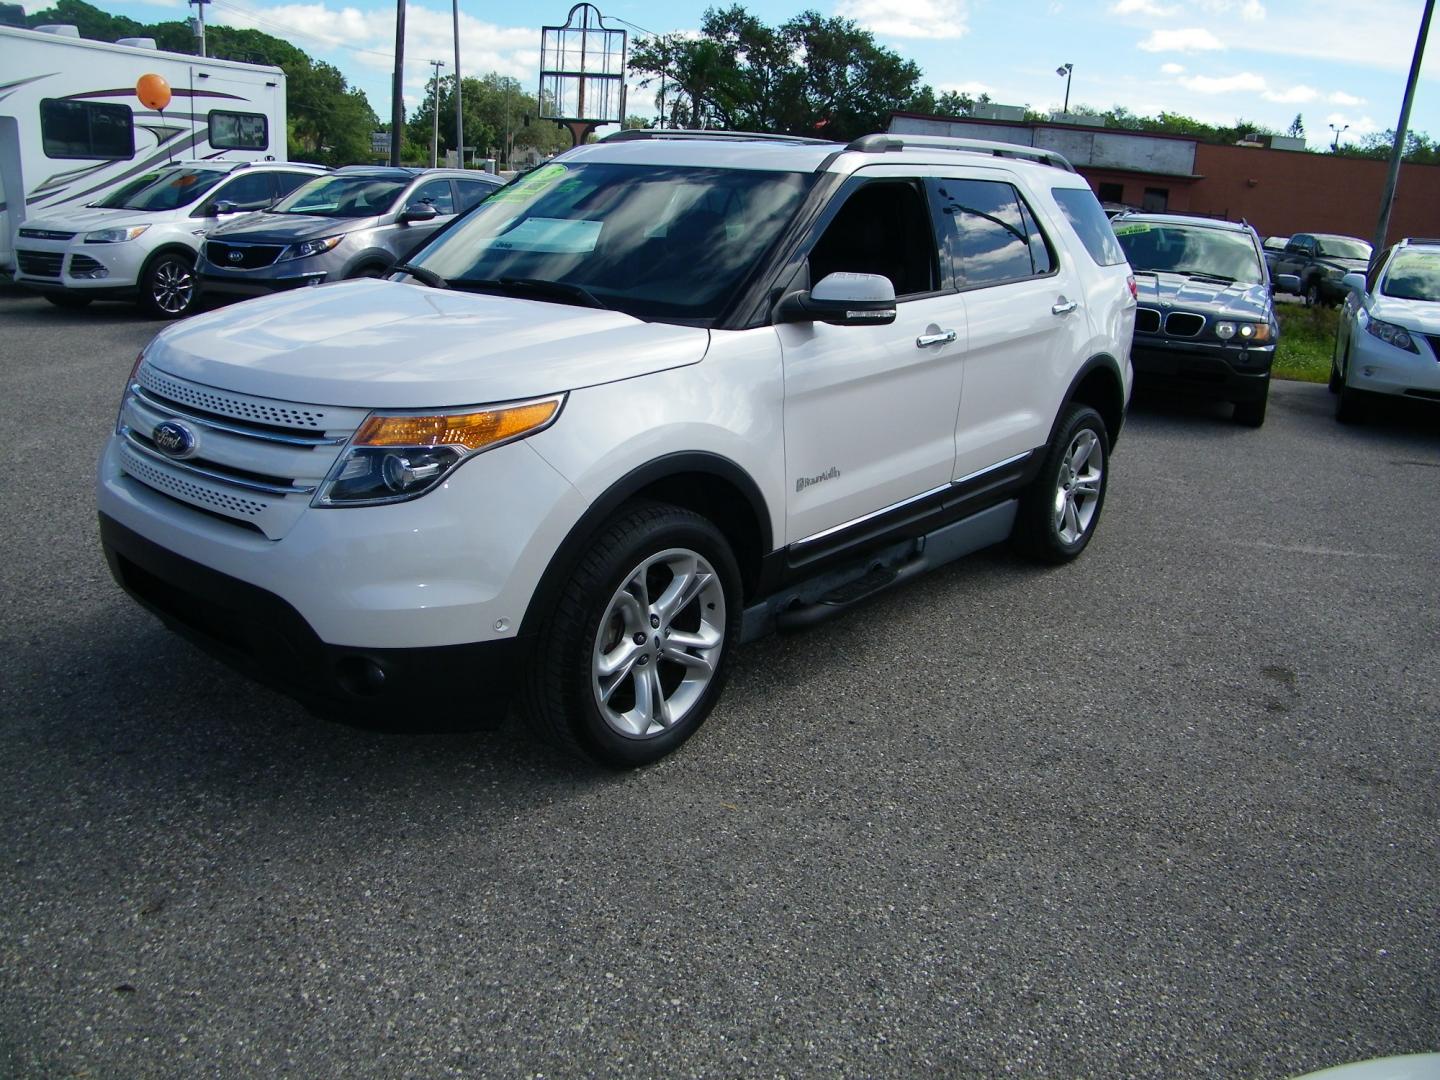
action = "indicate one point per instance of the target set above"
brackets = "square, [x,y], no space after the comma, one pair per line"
[870,410]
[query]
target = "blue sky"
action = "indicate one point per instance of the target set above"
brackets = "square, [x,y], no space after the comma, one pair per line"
[1334,61]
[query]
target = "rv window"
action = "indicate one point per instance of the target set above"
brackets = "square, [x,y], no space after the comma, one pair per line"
[239,131]
[86,129]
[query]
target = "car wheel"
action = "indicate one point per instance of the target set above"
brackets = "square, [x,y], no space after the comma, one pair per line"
[68,301]
[634,654]
[1252,413]
[374,270]
[168,287]
[1337,380]
[1352,406]
[1059,512]
[1312,294]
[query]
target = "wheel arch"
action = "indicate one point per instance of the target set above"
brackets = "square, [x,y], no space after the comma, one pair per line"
[707,483]
[1097,384]
[170,247]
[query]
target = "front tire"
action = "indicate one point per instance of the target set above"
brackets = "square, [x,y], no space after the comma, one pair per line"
[1251,413]
[634,655]
[1352,406]
[1312,294]
[1059,512]
[168,287]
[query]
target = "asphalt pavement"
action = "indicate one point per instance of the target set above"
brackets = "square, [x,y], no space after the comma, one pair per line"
[1170,811]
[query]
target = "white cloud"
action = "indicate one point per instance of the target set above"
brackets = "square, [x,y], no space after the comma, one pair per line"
[974,89]
[909,18]
[1141,7]
[1172,69]
[1296,95]
[1194,39]
[1225,84]
[1339,97]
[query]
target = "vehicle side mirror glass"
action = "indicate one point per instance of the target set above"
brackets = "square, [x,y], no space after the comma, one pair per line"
[223,206]
[1354,280]
[419,212]
[1288,282]
[842,299]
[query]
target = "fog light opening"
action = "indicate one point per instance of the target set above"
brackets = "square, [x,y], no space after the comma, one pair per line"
[361,676]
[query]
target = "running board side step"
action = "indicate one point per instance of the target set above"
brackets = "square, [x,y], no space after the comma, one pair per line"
[801,606]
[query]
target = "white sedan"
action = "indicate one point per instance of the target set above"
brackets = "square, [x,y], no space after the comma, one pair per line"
[1388,341]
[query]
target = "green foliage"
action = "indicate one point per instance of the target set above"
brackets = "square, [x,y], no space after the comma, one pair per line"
[1419,148]
[810,75]
[12,15]
[1307,342]
[328,121]
[500,120]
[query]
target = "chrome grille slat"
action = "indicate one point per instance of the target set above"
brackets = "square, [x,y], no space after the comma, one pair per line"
[234,429]
[179,488]
[137,444]
[242,406]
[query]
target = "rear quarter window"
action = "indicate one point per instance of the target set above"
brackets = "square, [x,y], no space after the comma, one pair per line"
[1082,211]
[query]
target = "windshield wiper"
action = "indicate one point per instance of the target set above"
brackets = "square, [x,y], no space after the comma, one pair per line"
[420,274]
[1203,274]
[555,290]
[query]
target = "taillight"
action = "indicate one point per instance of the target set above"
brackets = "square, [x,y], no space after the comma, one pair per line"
[1134,289]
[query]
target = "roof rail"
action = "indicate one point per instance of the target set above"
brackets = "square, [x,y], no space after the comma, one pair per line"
[1418,240]
[880,144]
[633,134]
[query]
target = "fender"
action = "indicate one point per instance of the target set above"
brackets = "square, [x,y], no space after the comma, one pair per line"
[1097,362]
[567,555]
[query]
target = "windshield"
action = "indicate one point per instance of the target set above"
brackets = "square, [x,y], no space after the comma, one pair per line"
[1342,247]
[342,197]
[1190,249]
[657,242]
[1413,276]
[167,190]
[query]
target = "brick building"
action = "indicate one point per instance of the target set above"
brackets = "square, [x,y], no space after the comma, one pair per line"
[1280,192]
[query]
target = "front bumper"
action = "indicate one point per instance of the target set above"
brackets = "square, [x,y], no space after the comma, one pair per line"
[1200,369]
[76,267]
[250,285]
[1380,368]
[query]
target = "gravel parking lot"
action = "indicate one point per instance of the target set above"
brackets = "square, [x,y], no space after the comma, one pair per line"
[1171,811]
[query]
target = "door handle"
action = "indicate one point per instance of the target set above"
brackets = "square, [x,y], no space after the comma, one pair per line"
[1064,307]
[942,338]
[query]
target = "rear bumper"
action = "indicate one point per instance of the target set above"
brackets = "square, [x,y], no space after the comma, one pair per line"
[1211,372]
[262,636]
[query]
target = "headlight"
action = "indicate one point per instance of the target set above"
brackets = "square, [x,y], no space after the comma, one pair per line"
[1391,334]
[115,236]
[398,456]
[1247,332]
[306,248]
[1224,330]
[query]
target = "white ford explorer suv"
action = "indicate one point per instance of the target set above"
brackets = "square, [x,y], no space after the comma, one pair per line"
[658,397]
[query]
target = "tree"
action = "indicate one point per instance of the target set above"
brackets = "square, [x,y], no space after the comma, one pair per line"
[811,75]
[1296,129]
[499,119]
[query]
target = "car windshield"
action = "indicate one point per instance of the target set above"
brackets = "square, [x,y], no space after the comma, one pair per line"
[1342,247]
[342,197]
[668,243]
[1190,249]
[1413,275]
[169,189]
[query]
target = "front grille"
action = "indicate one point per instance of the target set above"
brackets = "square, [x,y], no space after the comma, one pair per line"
[215,499]
[235,406]
[1184,324]
[85,266]
[241,256]
[1147,320]
[46,234]
[40,263]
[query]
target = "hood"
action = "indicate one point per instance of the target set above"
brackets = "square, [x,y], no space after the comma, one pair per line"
[85,219]
[1346,265]
[1421,315]
[263,228]
[1177,292]
[388,344]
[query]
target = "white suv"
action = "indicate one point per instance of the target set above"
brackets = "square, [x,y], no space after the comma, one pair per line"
[660,396]
[140,241]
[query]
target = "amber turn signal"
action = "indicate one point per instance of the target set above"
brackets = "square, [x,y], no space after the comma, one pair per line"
[471,430]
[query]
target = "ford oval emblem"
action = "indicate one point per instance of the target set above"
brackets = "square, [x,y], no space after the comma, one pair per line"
[173,439]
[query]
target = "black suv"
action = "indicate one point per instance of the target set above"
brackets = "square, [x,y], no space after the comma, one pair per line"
[1206,324]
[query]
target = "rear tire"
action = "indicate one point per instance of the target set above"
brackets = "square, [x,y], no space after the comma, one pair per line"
[1059,511]
[621,674]
[69,301]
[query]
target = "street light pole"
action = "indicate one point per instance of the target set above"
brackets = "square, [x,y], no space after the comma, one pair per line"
[1338,131]
[397,89]
[1065,71]
[1387,200]
[459,115]
[435,91]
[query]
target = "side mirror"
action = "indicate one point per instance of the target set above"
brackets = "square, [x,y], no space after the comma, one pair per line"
[419,211]
[1288,282]
[1354,281]
[224,206]
[842,300]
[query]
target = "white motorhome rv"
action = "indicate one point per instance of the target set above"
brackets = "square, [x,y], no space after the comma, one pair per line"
[71,127]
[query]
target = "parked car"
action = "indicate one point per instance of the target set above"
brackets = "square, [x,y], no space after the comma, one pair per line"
[140,241]
[357,222]
[1271,247]
[1206,323]
[670,391]
[1388,337]
[1319,261]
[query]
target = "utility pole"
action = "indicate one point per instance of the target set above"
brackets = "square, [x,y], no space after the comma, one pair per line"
[397,88]
[435,138]
[459,115]
[198,23]
[1387,200]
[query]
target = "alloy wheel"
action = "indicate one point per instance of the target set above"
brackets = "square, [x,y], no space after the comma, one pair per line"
[1077,493]
[172,286]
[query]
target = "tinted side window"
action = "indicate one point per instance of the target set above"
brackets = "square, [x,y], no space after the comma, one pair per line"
[473,192]
[286,182]
[86,129]
[1083,213]
[437,194]
[1041,257]
[239,131]
[984,232]
[248,191]
[883,229]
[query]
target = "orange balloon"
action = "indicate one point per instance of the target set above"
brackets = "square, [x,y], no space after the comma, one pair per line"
[153,91]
